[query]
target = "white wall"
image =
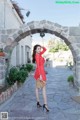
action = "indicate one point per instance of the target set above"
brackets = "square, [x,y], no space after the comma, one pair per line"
[9,18]
[24,42]
[13,57]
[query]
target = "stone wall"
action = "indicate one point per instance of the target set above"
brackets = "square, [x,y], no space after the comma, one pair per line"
[8,93]
[70,35]
[2,71]
[4,34]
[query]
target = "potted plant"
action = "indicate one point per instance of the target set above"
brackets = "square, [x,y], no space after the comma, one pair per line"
[1,52]
[71,80]
[29,67]
[21,77]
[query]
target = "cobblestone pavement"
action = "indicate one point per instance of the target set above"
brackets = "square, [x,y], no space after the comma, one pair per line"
[22,104]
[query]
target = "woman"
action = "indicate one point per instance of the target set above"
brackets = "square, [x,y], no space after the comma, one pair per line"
[40,73]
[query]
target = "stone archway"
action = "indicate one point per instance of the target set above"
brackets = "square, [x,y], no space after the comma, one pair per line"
[70,35]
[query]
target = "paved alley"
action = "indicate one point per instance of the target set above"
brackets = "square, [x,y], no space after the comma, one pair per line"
[22,104]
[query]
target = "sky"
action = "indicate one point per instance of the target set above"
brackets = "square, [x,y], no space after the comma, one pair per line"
[63,14]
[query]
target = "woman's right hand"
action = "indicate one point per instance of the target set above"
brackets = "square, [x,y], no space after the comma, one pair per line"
[42,46]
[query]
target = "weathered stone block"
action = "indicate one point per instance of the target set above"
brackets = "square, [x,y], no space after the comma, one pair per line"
[4,38]
[77,39]
[15,36]
[3,31]
[74,31]
[20,31]
[57,25]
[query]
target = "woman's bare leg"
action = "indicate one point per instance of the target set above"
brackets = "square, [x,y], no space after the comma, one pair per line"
[37,94]
[44,95]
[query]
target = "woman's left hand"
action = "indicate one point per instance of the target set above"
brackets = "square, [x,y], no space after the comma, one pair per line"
[44,81]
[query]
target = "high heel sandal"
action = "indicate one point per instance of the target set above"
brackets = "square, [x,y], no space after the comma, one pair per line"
[44,106]
[38,104]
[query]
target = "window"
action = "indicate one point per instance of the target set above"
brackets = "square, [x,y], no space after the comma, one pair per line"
[27,54]
[17,55]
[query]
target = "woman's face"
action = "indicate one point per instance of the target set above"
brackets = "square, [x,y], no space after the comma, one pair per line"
[38,49]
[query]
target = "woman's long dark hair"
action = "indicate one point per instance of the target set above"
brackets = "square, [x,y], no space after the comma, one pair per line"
[34,52]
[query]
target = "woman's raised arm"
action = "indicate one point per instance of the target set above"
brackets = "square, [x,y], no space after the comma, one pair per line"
[44,49]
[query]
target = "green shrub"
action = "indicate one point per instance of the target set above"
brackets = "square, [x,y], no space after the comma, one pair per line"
[11,78]
[29,67]
[70,79]
[23,68]
[21,76]
[17,75]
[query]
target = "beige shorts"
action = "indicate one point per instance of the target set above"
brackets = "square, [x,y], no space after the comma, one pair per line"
[40,83]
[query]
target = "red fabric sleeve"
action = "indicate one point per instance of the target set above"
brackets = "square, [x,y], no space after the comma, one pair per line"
[37,57]
[44,49]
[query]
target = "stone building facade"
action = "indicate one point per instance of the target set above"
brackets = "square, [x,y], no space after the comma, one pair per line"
[10,22]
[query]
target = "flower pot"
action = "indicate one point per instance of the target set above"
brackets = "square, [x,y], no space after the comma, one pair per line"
[2,54]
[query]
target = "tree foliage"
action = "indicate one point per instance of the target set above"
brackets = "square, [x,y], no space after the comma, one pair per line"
[59,46]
